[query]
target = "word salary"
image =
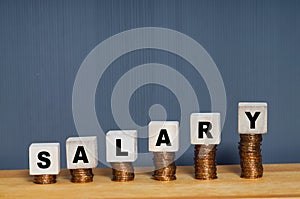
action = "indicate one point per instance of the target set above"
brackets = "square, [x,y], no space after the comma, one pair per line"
[121,145]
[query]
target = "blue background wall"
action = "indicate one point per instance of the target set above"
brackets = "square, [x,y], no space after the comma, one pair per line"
[255,45]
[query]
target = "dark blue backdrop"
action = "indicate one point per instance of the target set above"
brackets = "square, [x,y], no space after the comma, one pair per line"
[255,44]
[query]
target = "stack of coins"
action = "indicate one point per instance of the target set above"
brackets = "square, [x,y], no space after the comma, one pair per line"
[122,171]
[165,168]
[205,162]
[250,155]
[44,179]
[81,175]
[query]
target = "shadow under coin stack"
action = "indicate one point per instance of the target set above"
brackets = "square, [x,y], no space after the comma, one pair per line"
[165,168]
[252,124]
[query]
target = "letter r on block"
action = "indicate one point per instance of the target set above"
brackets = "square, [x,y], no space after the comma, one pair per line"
[205,128]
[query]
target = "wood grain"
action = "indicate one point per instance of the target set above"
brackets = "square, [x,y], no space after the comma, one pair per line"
[280,181]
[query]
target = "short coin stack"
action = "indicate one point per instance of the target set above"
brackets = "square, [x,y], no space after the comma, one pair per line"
[122,171]
[250,156]
[205,162]
[44,179]
[165,168]
[81,175]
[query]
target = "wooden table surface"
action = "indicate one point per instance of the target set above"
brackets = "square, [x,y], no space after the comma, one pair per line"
[280,180]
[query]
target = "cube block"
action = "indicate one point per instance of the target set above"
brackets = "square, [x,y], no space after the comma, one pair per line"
[163,136]
[82,152]
[252,118]
[44,158]
[121,146]
[205,128]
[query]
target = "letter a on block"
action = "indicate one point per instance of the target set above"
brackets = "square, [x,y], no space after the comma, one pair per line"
[205,128]
[252,118]
[121,146]
[82,152]
[44,158]
[163,136]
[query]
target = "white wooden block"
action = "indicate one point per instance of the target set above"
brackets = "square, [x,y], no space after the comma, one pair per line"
[121,146]
[205,128]
[82,152]
[163,131]
[252,118]
[44,158]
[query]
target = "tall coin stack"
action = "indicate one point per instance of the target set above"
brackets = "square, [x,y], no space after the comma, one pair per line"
[252,124]
[164,142]
[165,168]
[122,171]
[250,157]
[205,135]
[205,162]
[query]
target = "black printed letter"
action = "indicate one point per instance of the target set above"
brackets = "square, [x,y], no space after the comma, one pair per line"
[119,152]
[42,157]
[252,119]
[83,157]
[163,134]
[205,130]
